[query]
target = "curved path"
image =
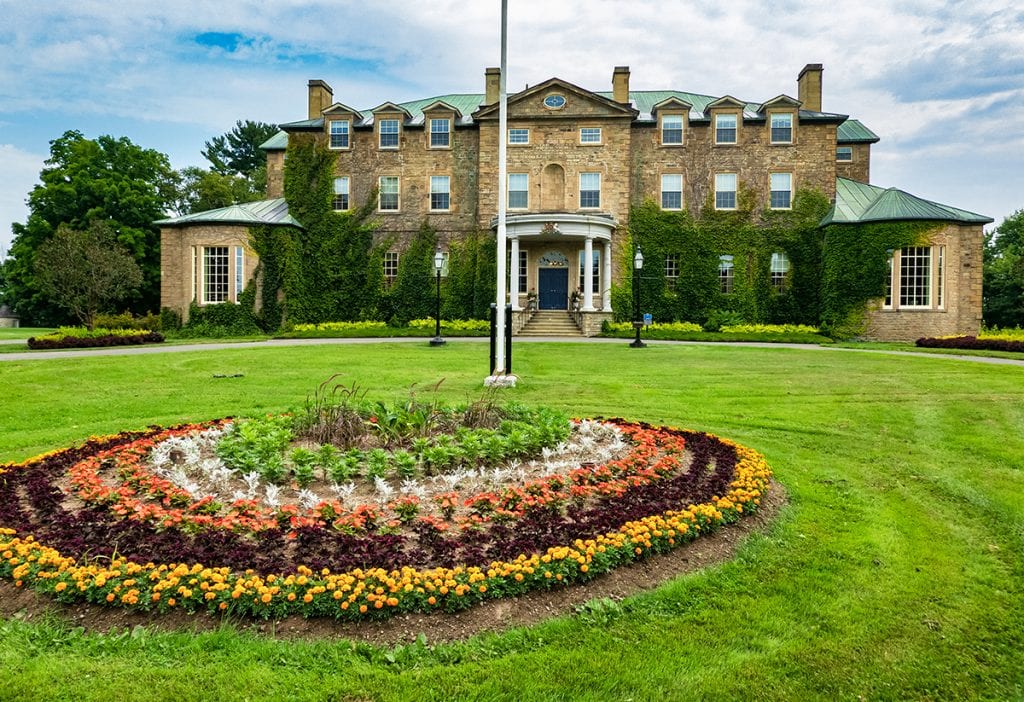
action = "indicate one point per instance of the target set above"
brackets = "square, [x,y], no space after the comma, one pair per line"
[171,348]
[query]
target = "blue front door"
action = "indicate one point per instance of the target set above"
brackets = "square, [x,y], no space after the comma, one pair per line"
[554,288]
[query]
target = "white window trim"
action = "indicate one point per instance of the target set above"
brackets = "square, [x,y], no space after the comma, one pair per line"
[518,143]
[380,193]
[663,191]
[600,137]
[348,184]
[203,287]
[844,160]
[388,257]
[599,188]
[737,119]
[792,128]
[937,277]
[734,191]
[348,133]
[682,131]
[430,133]
[380,134]
[770,191]
[508,192]
[430,193]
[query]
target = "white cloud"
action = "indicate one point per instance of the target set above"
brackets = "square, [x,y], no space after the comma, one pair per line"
[20,172]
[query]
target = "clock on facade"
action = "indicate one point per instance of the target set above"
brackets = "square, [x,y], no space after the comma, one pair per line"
[554,102]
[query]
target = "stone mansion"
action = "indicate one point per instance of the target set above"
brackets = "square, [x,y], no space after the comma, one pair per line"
[578,161]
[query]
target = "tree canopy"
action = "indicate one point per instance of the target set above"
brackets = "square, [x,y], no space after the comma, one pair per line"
[86,272]
[107,179]
[199,190]
[1004,273]
[238,152]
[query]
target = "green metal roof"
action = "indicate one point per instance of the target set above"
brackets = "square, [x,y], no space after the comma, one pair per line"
[859,202]
[278,142]
[272,212]
[852,132]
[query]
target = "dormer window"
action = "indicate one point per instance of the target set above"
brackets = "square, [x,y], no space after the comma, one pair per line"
[671,130]
[339,133]
[782,128]
[440,133]
[725,129]
[388,133]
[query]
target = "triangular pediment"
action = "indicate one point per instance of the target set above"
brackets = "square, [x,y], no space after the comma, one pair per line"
[441,106]
[671,104]
[391,108]
[727,101]
[530,103]
[779,101]
[340,109]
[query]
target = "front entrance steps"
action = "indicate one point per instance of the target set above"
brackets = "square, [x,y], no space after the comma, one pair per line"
[551,323]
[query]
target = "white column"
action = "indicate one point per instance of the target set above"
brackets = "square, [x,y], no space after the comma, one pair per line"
[513,275]
[588,275]
[606,279]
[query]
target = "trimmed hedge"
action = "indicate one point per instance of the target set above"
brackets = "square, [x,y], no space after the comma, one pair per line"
[971,343]
[82,342]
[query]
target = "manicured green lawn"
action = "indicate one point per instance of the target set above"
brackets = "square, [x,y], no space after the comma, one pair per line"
[22,332]
[896,571]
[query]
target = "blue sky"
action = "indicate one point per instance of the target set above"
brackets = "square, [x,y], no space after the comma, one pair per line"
[941,82]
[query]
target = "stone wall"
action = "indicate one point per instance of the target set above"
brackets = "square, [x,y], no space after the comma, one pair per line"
[859,168]
[961,311]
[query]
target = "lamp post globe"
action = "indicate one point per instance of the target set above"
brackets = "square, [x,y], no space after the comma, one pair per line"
[638,266]
[438,265]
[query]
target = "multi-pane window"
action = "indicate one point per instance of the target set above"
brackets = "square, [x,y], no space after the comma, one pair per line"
[595,270]
[725,274]
[524,259]
[779,270]
[387,198]
[590,135]
[340,200]
[844,153]
[518,136]
[671,192]
[388,131]
[725,129]
[440,133]
[672,129]
[725,191]
[339,129]
[215,274]
[390,266]
[518,191]
[440,192]
[782,128]
[672,266]
[590,190]
[239,271]
[915,276]
[781,186]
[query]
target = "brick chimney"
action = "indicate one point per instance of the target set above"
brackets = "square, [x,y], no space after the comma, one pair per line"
[809,87]
[620,84]
[492,84]
[320,98]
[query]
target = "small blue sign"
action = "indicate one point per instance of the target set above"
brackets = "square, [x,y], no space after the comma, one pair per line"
[648,319]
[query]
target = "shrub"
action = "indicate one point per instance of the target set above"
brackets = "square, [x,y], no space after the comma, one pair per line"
[80,337]
[125,320]
[972,343]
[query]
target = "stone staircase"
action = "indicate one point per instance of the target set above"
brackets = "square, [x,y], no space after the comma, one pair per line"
[550,323]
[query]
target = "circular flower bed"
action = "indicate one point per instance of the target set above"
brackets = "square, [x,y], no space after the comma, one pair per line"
[153,520]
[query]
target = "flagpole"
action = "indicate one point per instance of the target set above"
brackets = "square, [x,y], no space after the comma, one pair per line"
[502,197]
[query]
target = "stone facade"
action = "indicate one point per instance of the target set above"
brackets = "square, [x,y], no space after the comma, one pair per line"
[182,262]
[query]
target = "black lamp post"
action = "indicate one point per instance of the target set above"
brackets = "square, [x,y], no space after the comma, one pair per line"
[438,263]
[638,265]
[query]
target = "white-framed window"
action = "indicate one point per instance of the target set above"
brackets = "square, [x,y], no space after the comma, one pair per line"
[782,128]
[387,197]
[780,266]
[781,187]
[390,267]
[440,193]
[590,190]
[725,274]
[387,130]
[671,191]
[518,191]
[339,133]
[672,266]
[524,268]
[215,274]
[725,129]
[595,284]
[519,136]
[590,135]
[671,130]
[844,153]
[340,202]
[916,278]
[239,271]
[725,191]
[440,133]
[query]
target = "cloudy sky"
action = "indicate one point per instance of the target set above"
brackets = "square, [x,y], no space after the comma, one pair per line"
[942,82]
